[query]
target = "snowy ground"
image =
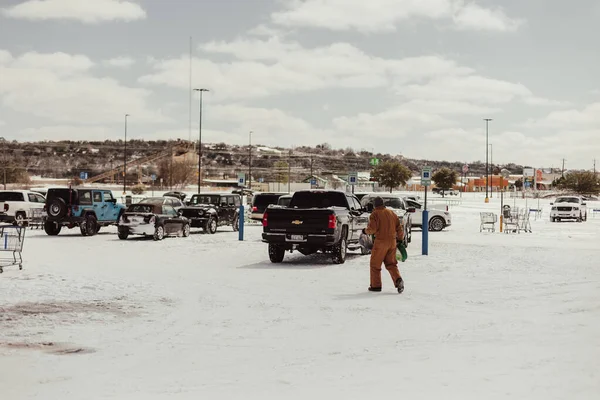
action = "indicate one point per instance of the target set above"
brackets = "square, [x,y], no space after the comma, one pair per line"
[485,316]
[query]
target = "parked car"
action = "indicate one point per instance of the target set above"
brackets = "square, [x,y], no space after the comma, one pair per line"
[316,220]
[88,209]
[209,211]
[19,206]
[438,218]
[444,192]
[172,201]
[178,195]
[568,207]
[153,217]
[396,204]
[284,201]
[261,202]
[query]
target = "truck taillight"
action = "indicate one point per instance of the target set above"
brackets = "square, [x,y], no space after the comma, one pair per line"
[265,220]
[254,209]
[332,222]
[6,207]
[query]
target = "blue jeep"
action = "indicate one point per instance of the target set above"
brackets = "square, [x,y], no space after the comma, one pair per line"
[88,209]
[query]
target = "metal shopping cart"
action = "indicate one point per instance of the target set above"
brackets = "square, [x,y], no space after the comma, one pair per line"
[11,246]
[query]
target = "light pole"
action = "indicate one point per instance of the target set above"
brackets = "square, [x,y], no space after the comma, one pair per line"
[487,166]
[250,160]
[125,158]
[200,139]
[492,170]
[4,159]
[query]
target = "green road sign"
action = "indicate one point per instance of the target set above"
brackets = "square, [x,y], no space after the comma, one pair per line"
[374,162]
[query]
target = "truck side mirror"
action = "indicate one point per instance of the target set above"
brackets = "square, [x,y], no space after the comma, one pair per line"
[584,204]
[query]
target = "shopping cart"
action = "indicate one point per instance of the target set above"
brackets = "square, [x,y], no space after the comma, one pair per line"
[11,246]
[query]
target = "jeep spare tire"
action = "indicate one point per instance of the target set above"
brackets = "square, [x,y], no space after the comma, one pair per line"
[57,208]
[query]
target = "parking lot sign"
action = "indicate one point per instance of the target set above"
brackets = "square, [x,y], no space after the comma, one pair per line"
[153,177]
[83,175]
[465,168]
[353,178]
[313,182]
[426,176]
[241,179]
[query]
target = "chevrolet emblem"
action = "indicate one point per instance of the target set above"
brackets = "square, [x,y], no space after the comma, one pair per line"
[297,222]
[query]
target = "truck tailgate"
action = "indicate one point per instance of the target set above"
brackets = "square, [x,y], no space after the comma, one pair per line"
[301,221]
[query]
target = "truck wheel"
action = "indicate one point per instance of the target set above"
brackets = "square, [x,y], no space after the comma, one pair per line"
[436,224]
[585,217]
[52,228]
[210,226]
[123,234]
[340,249]
[276,253]
[236,223]
[20,219]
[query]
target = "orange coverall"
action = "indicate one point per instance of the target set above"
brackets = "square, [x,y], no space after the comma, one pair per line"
[386,227]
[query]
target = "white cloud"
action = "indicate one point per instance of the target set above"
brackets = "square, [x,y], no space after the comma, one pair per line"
[89,11]
[2,123]
[474,17]
[119,62]
[5,57]
[60,87]
[542,101]
[589,116]
[385,15]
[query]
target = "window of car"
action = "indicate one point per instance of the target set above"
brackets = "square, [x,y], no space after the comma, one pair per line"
[169,210]
[231,201]
[11,196]
[357,204]
[108,196]
[413,204]
[236,201]
[32,198]
[97,197]
[40,198]
[85,197]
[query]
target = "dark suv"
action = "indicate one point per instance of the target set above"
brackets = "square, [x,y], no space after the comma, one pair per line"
[209,211]
[88,209]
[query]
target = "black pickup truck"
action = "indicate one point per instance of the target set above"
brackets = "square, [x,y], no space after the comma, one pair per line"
[315,220]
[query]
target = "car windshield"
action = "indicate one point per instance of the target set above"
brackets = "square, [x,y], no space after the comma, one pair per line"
[153,201]
[567,200]
[141,208]
[204,199]
[393,202]
[318,200]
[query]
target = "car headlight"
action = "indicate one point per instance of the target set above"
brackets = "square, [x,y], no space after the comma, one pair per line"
[575,208]
[554,209]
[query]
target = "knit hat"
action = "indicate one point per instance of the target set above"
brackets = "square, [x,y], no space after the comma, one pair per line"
[378,202]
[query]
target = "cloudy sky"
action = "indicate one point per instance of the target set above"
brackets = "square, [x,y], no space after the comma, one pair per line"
[414,77]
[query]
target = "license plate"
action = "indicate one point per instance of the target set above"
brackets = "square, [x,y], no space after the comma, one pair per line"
[297,237]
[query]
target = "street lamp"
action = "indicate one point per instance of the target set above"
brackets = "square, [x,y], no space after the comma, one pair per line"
[487,165]
[492,170]
[125,158]
[200,139]
[4,159]
[250,160]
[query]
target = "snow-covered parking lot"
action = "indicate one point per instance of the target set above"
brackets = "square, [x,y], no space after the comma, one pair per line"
[484,316]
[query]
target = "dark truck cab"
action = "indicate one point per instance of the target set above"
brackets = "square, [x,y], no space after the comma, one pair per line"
[315,220]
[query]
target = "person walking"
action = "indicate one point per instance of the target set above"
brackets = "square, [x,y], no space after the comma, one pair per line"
[386,227]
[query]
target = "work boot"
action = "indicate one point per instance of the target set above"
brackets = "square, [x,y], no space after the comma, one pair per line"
[400,285]
[374,289]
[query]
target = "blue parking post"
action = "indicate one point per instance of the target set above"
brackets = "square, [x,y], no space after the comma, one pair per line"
[425,227]
[241,223]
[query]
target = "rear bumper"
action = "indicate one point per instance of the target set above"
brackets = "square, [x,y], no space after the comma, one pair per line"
[141,229]
[6,218]
[256,216]
[308,239]
[197,222]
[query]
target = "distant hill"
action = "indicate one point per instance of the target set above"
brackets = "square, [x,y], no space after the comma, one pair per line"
[67,159]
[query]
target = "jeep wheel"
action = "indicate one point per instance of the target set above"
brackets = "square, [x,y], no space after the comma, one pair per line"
[159,233]
[123,234]
[186,230]
[340,249]
[210,226]
[89,226]
[57,208]
[236,223]
[276,253]
[52,228]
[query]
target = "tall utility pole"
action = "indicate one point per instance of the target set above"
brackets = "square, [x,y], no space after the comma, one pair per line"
[311,169]
[250,160]
[487,166]
[563,168]
[289,171]
[200,139]
[125,158]
[594,167]
[4,159]
[190,94]
[492,170]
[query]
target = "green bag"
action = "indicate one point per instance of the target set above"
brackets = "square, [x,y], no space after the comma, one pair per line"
[401,254]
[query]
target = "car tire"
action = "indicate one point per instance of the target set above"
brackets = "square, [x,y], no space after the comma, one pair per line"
[585,217]
[211,226]
[57,208]
[236,223]
[123,234]
[580,218]
[437,224]
[552,219]
[52,228]
[340,250]
[89,226]
[159,233]
[408,236]
[186,230]
[276,253]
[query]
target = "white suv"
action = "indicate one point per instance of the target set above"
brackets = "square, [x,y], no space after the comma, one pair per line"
[568,207]
[17,206]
